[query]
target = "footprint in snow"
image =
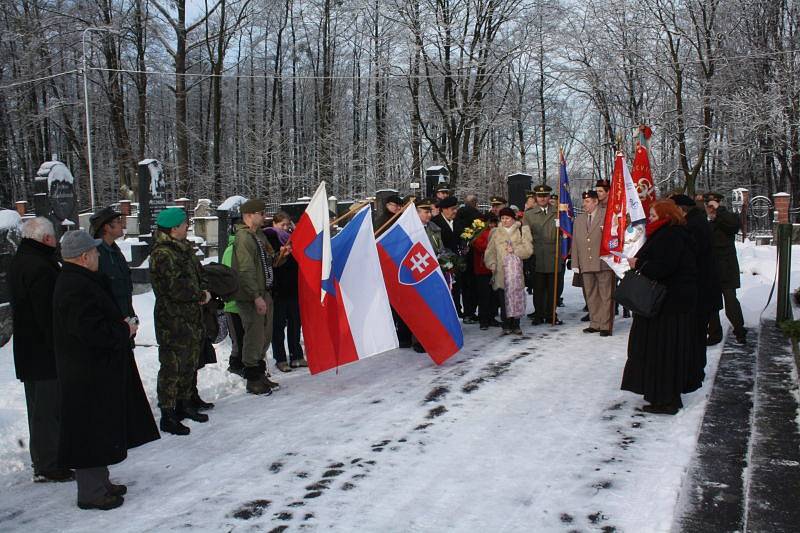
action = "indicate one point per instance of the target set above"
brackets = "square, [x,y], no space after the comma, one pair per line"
[251,509]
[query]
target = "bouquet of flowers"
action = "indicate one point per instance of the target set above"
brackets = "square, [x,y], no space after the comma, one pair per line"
[473,231]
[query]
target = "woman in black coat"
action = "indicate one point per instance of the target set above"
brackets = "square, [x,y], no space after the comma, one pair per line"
[663,350]
[104,409]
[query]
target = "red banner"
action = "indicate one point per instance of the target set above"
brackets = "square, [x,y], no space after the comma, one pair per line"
[613,239]
[643,178]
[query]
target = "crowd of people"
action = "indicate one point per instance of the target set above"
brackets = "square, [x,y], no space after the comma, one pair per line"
[75,323]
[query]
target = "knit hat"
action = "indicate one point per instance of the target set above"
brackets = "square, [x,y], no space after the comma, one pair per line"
[507,212]
[171,217]
[76,242]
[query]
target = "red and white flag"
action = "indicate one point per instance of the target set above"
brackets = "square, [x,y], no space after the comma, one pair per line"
[623,202]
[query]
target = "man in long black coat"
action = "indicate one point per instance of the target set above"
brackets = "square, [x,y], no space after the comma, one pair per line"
[104,410]
[451,240]
[709,293]
[32,277]
[724,227]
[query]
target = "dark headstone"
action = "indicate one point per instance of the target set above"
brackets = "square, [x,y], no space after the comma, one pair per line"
[295,209]
[9,240]
[152,194]
[434,176]
[517,185]
[54,196]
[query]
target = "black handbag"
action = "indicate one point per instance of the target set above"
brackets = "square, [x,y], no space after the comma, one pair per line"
[640,294]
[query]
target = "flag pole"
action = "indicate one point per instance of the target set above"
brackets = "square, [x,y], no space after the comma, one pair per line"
[350,212]
[558,246]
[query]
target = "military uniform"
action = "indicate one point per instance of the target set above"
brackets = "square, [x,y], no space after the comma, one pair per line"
[542,223]
[253,283]
[178,284]
[596,275]
[724,228]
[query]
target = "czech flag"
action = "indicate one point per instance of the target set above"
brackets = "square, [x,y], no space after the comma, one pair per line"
[365,325]
[417,288]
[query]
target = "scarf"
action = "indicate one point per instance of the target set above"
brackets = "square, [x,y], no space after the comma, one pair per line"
[266,263]
[653,227]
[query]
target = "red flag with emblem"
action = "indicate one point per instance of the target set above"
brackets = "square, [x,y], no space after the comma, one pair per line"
[641,173]
[613,239]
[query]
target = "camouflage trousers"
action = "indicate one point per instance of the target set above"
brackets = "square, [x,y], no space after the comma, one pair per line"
[177,373]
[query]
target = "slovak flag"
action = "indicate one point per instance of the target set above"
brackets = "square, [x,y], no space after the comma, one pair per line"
[311,248]
[417,288]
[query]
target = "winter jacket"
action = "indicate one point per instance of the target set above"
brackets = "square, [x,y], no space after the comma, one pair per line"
[709,292]
[285,284]
[178,284]
[31,279]
[114,265]
[435,236]
[520,238]
[247,264]
[668,257]
[104,410]
[227,260]
[479,246]
[724,229]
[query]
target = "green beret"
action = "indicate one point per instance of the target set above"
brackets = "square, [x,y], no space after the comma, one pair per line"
[253,206]
[171,217]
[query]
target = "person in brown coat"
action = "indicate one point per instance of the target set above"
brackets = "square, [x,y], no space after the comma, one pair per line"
[597,276]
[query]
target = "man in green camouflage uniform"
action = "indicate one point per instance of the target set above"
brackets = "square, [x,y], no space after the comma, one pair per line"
[178,284]
[541,219]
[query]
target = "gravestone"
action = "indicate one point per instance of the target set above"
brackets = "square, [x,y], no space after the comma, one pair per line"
[152,195]
[54,196]
[10,236]
[517,185]
[433,176]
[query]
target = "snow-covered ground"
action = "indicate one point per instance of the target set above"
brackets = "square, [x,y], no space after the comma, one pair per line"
[511,434]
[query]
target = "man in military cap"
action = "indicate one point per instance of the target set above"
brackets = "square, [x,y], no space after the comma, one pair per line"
[180,290]
[542,221]
[724,227]
[602,188]
[433,231]
[497,203]
[451,239]
[391,206]
[253,259]
[596,275]
[442,191]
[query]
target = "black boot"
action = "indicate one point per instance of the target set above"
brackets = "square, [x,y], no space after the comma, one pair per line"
[170,423]
[199,404]
[185,409]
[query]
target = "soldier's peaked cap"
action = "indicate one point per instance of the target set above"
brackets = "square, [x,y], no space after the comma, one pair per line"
[589,194]
[714,196]
[542,190]
[497,200]
[253,206]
